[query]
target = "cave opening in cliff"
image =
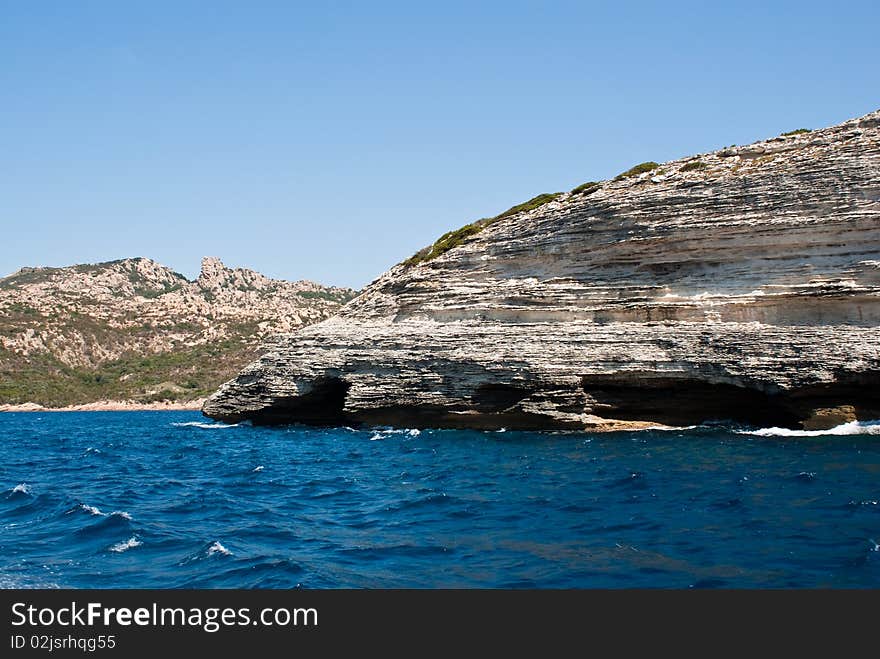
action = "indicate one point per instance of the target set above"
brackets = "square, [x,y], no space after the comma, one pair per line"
[685,401]
[323,405]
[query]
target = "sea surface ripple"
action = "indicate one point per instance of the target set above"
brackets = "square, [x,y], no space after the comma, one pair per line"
[172,500]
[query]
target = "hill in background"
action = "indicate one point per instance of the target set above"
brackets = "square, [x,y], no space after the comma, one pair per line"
[136,330]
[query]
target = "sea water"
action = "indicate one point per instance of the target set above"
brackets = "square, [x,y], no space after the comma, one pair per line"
[173,500]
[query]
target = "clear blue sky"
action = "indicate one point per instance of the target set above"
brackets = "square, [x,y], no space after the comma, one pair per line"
[330,140]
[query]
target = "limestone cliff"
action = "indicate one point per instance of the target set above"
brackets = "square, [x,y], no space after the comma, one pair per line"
[742,284]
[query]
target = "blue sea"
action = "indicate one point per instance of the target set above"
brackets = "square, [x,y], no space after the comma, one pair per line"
[173,500]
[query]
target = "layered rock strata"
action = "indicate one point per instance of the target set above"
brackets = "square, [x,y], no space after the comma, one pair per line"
[740,285]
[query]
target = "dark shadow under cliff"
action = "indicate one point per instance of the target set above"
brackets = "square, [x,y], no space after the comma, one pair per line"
[671,401]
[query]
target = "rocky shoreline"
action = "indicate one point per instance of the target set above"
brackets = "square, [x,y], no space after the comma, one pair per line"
[107,406]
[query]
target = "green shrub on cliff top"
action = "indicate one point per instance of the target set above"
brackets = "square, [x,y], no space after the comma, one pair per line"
[587,188]
[455,238]
[797,131]
[638,169]
[693,165]
[530,205]
[444,243]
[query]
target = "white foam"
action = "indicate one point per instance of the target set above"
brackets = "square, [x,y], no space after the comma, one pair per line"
[22,488]
[386,433]
[258,468]
[131,543]
[91,509]
[202,424]
[218,548]
[851,428]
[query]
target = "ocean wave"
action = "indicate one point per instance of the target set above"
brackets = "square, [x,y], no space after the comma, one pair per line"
[256,572]
[431,500]
[217,548]
[91,510]
[20,493]
[97,512]
[390,432]
[202,424]
[851,428]
[131,543]
[635,480]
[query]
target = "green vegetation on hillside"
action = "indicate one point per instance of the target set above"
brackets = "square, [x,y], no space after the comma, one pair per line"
[587,188]
[152,293]
[693,165]
[797,131]
[184,374]
[530,205]
[638,169]
[445,242]
[341,297]
[455,238]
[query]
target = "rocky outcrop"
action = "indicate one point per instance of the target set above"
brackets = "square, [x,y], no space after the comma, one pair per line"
[826,418]
[742,284]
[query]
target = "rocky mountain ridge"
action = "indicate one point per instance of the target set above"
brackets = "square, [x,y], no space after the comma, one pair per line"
[742,284]
[65,332]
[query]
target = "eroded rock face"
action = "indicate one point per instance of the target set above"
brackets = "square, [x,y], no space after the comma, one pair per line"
[745,287]
[825,418]
[87,314]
